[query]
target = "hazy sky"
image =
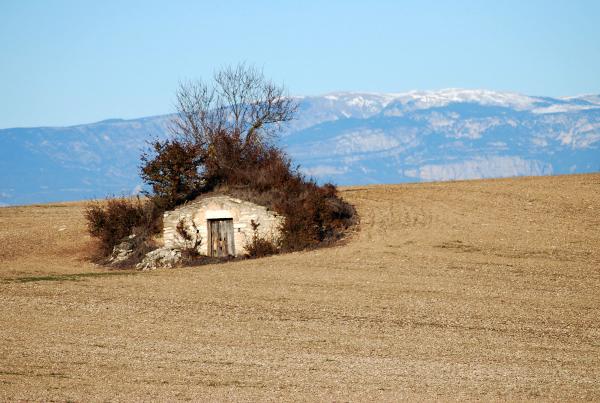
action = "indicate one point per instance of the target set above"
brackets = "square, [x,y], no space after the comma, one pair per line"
[68,62]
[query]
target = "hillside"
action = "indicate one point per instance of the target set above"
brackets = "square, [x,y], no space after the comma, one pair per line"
[348,138]
[474,289]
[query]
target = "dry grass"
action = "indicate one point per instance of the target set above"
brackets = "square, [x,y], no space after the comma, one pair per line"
[480,289]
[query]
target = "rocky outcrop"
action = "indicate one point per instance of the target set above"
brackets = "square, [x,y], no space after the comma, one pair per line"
[160,258]
[123,251]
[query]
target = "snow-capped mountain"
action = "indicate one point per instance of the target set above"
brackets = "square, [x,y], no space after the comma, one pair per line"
[449,134]
[344,137]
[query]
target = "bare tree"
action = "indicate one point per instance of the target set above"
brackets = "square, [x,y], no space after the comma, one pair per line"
[239,101]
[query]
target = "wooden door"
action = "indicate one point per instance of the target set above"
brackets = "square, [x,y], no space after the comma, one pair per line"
[220,238]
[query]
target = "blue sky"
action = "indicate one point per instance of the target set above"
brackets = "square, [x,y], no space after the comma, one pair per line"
[68,62]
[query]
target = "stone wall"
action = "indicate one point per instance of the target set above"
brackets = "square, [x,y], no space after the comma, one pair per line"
[196,213]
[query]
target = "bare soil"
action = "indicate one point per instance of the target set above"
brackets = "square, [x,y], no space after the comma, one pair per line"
[476,289]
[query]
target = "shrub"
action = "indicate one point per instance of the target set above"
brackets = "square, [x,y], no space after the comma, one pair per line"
[117,218]
[314,215]
[259,246]
[191,241]
[171,169]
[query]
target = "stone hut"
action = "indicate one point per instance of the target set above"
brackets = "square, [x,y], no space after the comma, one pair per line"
[218,225]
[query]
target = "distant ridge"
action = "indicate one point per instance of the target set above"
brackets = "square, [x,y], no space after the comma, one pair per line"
[344,137]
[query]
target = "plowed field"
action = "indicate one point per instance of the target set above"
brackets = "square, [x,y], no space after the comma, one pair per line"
[477,289]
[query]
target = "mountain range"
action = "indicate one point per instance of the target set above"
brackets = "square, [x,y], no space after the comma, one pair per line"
[346,137]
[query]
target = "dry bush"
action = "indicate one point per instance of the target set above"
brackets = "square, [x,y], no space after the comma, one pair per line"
[191,241]
[259,246]
[315,215]
[171,169]
[117,218]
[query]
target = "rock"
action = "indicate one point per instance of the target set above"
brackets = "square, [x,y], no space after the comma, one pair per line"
[160,258]
[122,251]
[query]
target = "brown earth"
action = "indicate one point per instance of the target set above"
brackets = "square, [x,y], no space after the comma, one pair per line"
[478,289]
